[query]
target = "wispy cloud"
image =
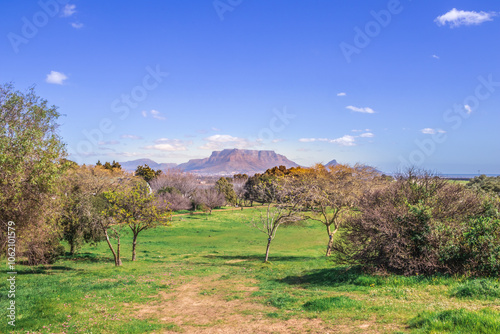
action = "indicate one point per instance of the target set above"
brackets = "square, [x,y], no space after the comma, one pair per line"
[431,131]
[77,25]
[133,137]
[367,135]
[216,142]
[468,108]
[68,10]
[345,140]
[341,94]
[165,144]
[435,57]
[365,130]
[456,18]
[56,78]
[365,110]
[155,114]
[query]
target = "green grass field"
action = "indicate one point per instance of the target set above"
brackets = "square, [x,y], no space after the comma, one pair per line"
[207,276]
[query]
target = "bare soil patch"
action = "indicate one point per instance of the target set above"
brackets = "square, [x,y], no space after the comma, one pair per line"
[208,305]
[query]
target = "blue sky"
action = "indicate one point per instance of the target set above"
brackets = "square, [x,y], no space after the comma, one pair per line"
[379,82]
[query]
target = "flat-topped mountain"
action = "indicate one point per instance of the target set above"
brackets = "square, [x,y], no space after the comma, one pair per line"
[232,161]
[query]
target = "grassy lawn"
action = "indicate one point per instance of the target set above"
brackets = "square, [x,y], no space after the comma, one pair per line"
[207,275]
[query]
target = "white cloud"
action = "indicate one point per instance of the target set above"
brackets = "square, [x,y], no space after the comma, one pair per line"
[365,130]
[430,131]
[456,18]
[365,110]
[68,10]
[367,135]
[468,108]
[215,129]
[155,114]
[165,144]
[279,140]
[341,94]
[56,78]
[216,142]
[435,57]
[77,25]
[345,140]
[133,137]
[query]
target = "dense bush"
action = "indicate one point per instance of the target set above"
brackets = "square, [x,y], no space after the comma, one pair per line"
[487,184]
[423,224]
[477,289]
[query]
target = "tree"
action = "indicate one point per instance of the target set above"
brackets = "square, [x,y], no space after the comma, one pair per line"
[175,187]
[136,208]
[284,199]
[81,190]
[238,182]
[147,173]
[110,166]
[209,197]
[333,193]
[225,187]
[31,163]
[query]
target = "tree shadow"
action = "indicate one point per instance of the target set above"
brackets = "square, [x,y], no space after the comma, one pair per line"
[240,260]
[46,269]
[326,277]
[86,258]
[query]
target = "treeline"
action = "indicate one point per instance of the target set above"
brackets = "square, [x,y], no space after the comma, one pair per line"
[414,223]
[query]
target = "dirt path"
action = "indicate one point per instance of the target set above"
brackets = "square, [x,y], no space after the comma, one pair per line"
[212,305]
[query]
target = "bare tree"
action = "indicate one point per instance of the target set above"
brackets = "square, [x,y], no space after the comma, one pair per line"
[185,183]
[210,197]
[284,200]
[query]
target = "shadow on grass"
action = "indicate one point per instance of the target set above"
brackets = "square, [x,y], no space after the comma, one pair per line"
[86,258]
[240,260]
[49,270]
[327,277]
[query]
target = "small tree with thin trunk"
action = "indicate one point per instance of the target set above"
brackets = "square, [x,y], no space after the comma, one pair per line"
[283,204]
[333,193]
[137,209]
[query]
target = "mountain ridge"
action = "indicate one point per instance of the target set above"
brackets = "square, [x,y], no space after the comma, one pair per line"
[225,162]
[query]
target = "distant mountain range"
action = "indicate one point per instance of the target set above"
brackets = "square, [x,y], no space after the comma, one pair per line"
[132,165]
[225,162]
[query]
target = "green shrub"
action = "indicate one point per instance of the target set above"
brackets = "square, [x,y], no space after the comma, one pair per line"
[325,304]
[477,289]
[457,321]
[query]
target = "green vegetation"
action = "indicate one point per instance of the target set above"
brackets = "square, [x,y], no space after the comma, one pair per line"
[220,260]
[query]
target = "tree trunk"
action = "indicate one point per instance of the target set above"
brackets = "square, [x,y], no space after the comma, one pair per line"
[118,260]
[267,249]
[117,263]
[72,248]
[330,240]
[134,243]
